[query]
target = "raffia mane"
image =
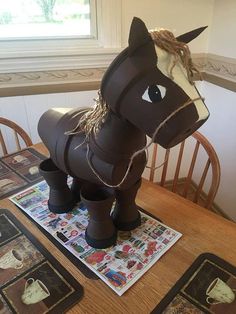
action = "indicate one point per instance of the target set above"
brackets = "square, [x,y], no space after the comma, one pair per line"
[166,40]
[93,118]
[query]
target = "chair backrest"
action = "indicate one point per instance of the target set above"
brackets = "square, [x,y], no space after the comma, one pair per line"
[182,184]
[20,136]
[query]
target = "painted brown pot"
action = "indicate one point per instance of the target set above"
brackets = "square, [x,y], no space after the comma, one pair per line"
[61,200]
[101,232]
[125,214]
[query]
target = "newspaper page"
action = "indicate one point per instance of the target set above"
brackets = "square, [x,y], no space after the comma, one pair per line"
[119,266]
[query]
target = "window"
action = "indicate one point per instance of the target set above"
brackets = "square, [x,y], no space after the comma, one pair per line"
[40,35]
[27,19]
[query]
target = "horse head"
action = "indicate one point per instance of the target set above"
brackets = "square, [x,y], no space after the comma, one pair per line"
[152,87]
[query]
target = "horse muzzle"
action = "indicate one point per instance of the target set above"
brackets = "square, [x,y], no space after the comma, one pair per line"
[181,125]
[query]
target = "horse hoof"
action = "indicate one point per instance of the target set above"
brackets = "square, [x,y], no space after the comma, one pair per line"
[61,209]
[101,243]
[127,225]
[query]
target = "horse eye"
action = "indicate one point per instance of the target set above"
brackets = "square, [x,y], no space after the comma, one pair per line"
[154,93]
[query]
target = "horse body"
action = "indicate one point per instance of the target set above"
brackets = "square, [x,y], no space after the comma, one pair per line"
[141,99]
[109,152]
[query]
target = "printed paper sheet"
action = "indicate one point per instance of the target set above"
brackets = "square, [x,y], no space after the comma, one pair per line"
[119,266]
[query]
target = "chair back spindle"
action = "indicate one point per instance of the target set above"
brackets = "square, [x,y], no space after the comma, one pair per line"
[189,187]
[19,136]
[177,170]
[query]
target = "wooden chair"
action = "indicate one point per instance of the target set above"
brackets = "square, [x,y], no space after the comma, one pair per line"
[20,136]
[185,185]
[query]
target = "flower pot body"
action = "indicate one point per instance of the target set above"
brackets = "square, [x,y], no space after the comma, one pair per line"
[125,214]
[61,199]
[101,232]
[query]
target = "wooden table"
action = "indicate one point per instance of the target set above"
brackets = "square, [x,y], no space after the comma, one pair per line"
[203,231]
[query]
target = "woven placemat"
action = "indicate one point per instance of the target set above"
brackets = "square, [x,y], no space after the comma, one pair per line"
[208,286]
[19,170]
[31,279]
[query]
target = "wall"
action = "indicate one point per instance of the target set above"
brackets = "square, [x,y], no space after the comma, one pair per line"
[222,35]
[26,110]
[220,129]
[178,16]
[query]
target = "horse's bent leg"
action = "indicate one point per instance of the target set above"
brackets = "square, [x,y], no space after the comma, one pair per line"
[101,232]
[126,215]
[61,199]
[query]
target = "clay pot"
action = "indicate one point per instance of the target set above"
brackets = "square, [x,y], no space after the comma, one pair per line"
[125,214]
[101,232]
[108,152]
[61,199]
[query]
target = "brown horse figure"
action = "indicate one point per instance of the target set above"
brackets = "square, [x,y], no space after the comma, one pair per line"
[147,90]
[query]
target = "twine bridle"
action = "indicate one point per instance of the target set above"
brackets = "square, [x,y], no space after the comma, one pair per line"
[145,148]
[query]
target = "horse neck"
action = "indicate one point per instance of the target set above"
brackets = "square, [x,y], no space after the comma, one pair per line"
[117,139]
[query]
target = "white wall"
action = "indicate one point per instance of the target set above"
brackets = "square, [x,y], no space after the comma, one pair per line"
[179,16]
[222,37]
[220,129]
[26,110]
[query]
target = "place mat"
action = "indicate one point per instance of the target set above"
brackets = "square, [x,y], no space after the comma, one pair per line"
[31,279]
[208,286]
[38,212]
[119,266]
[19,170]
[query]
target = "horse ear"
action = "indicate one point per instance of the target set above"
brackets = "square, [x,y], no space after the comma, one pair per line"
[138,35]
[187,37]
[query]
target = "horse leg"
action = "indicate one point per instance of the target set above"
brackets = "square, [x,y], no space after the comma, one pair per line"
[125,214]
[101,232]
[61,199]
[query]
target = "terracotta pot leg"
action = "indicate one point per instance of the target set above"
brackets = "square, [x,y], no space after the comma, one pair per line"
[61,199]
[125,214]
[101,232]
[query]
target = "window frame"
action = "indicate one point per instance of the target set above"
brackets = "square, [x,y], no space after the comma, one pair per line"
[68,53]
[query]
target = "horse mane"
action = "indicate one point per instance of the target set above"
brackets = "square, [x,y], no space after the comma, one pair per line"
[93,118]
[166,40]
